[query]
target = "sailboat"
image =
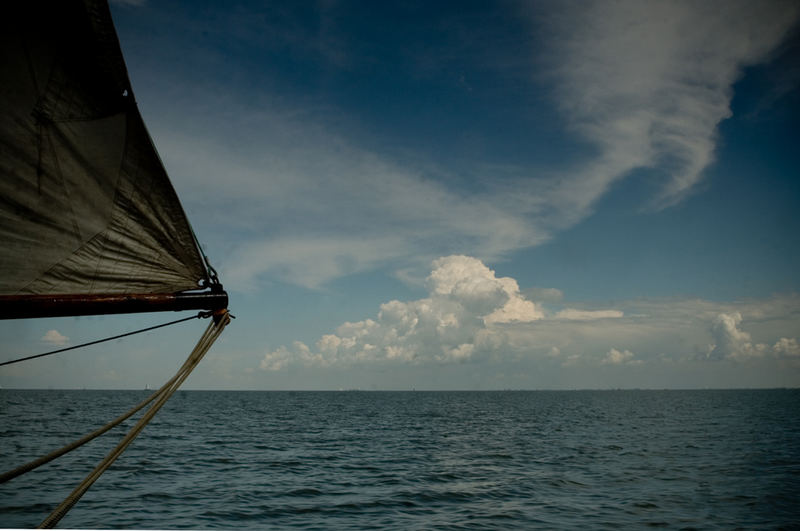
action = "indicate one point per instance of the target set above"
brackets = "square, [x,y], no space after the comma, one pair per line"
[89,221]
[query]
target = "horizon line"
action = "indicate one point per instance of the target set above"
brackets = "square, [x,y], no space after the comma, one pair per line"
[413,390]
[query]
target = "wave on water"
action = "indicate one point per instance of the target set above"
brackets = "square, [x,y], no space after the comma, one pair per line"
[502,460]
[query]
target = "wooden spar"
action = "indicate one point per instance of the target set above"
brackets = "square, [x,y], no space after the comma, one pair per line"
[31,306]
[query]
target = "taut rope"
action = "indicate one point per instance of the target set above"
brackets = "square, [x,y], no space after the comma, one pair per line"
[198,316]
[27,467]
[161,396]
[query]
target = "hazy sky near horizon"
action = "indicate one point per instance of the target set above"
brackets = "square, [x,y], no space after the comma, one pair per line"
[468,195]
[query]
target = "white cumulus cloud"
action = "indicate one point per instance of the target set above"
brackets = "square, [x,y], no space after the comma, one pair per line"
[730,341]
[55,338]
[617,357]
[472,316]
[463,316]
[733,343]
[787,347]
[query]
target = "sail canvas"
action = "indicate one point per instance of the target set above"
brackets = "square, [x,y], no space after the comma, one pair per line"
[86,206]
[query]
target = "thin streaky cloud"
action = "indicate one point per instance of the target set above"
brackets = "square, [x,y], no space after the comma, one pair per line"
[646,85]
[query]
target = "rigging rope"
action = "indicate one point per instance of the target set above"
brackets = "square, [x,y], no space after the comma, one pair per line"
[213,331]
[27,467]
[198,316]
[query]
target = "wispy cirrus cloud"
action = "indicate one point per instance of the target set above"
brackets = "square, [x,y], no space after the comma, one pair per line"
[648,83]
[307,205]
[588,315]
[298,196]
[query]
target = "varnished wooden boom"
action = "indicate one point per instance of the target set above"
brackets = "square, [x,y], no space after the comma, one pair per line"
[31,306]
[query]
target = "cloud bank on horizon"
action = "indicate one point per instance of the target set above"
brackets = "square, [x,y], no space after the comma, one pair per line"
[472,316]
[641,85]
[324,152]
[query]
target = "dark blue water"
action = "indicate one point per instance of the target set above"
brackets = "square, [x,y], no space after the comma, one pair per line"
[411,460]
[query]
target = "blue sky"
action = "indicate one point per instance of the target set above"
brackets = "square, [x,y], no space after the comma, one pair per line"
[469,195]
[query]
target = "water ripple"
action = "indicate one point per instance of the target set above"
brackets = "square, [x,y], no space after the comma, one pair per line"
[504,460]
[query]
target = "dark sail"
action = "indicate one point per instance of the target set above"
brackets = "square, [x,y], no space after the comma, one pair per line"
[89,222]
[86,206]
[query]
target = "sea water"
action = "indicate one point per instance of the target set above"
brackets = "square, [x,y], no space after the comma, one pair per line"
[414,460]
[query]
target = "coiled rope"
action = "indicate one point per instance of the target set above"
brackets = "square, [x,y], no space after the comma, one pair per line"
[220,321]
